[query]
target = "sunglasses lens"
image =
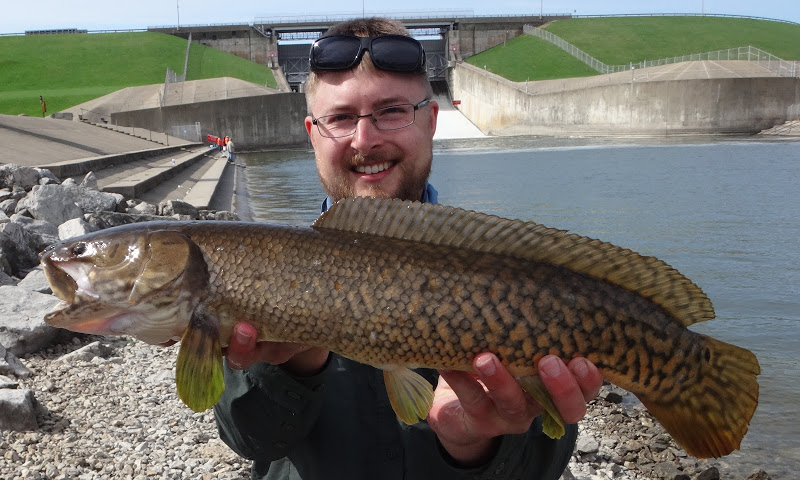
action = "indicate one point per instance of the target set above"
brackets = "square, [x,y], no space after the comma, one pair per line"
[397,53]
[338,52]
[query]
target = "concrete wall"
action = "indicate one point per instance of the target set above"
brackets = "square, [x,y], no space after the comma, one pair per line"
[254,123]
[708,106]
[240,40]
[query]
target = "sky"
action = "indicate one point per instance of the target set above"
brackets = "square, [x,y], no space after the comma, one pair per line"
[21,15]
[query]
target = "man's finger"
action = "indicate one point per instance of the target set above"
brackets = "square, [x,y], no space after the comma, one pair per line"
[563,388]
[588,377]
[510,401]
[469,391]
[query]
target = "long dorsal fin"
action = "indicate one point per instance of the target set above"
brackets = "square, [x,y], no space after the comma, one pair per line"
[443,225]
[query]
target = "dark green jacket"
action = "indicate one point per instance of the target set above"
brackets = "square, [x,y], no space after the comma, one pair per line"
[339,424]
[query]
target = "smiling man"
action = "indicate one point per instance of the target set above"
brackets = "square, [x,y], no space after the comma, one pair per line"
[302,412]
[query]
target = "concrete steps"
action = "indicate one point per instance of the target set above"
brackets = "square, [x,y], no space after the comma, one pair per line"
[168,173]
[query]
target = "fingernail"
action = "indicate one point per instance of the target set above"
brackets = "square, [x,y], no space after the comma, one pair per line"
[580,368]
[550,366]
[485,365]
[242,337]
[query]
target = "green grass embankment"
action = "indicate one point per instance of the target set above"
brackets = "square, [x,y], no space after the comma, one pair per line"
[621,40]
[71,69]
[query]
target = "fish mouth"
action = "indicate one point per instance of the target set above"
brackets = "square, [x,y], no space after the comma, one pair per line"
[373,168]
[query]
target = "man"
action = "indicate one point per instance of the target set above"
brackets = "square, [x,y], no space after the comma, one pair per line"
[301,412]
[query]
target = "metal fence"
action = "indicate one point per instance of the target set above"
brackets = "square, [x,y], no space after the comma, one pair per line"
[187,132]
[777,65]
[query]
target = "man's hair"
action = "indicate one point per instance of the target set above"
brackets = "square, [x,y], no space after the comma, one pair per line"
[364,27]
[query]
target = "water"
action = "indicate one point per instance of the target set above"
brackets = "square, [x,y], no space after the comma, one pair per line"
[725,212]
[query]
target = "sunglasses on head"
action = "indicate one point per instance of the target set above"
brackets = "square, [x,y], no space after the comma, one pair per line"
[393,53]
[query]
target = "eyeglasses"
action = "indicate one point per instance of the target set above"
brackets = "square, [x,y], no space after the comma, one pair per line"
[393,117]
[393,53]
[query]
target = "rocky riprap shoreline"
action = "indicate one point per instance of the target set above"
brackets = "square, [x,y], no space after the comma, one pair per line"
[85,407]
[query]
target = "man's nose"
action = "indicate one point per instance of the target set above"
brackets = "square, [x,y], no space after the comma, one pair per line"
[366,135]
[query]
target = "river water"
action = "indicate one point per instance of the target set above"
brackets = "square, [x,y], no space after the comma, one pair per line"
[723,211]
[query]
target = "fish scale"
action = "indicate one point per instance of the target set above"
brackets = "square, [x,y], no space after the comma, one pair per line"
[400,285]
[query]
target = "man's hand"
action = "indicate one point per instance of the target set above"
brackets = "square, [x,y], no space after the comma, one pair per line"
[469,414]
[296,358]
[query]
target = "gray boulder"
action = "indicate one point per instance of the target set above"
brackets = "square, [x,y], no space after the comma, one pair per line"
[90,181]
[35,281]
[51,203]
[17,175]
[87,353]
[39,234]
[23,329]
[16,255]
[8,206]
[75,228]
[178,207]
[17,410]
[11,365]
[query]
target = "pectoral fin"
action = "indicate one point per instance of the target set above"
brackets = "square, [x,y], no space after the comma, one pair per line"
[552,423]
[409,393]
[198,374]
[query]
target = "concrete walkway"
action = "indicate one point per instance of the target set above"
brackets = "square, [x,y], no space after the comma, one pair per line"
[121,162]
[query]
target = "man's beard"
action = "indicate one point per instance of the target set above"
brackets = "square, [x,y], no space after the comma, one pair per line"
[411,186]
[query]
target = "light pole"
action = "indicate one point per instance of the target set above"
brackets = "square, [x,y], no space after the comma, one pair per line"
[178,7]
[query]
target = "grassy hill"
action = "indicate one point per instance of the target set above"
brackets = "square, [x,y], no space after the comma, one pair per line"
[620,40]
[70,69]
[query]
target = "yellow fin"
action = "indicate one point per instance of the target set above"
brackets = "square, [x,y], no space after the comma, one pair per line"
[198,372]
[409,393]
[552,423]
[458,228]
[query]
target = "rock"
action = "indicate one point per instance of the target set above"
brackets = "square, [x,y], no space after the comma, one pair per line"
[17,175]
[23,329]
[17,410]
[90,182]
[51,203]
[665,470]
[6,279]
[39,233]
[91,200]
[759,475]
[587,445]
[10,365]
[6,382]
[225,215]
[46,177]
[75,228]
[144,208]
[711,473]
[35,281]
[87,353]
[103,220]
[8,207]
[177,207]
[16,255]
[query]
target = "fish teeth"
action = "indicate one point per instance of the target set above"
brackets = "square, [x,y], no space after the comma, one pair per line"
[372,169]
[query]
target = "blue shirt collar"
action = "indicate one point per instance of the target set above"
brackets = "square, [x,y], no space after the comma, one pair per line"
[429,195]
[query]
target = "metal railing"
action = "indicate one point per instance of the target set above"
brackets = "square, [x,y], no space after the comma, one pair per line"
[187,132]
[765,59]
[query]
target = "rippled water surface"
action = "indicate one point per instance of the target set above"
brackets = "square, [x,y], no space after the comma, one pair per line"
[725,212]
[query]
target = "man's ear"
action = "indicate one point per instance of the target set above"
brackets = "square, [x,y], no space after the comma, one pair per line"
[434,115]
[309,126]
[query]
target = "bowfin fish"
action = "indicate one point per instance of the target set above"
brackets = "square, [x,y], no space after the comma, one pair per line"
[402,285]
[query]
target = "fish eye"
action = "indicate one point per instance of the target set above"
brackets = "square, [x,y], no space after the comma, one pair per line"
[79,248]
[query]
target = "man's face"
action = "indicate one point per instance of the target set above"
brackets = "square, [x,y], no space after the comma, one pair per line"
[372,162]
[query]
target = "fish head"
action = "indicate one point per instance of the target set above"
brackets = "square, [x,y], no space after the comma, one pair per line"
[132,280]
